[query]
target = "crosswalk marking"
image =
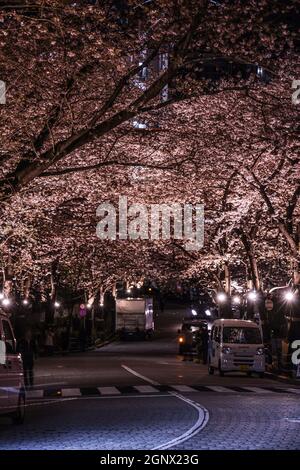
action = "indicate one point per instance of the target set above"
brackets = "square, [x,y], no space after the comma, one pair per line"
[146,389]
[109,391]
[35,394]
[258,390]
[183,388]
[220,389]
[116,391]
[71,392]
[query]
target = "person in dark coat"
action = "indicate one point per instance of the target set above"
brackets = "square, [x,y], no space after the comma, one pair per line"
[82,338]
[28,350]
[205,338]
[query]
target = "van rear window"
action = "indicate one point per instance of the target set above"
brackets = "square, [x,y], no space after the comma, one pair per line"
[241,335]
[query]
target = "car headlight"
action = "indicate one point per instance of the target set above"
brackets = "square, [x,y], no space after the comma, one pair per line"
[260,351]
[226,350]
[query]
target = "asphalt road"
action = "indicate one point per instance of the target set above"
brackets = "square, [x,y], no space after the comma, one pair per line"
[141,395]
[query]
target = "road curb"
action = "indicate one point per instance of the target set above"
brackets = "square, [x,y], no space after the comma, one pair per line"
[105,343]
[282,378]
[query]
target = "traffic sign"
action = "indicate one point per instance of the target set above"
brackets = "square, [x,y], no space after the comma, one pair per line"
[82,311]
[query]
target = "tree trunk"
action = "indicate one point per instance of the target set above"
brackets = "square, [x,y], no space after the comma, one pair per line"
[227,275]
[253,268]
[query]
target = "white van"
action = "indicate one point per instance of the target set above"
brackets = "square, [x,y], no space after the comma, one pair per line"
[12,389]
[236,346]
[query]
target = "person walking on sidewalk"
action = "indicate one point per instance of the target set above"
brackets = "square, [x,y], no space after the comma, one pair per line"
[28,350]
[49,342]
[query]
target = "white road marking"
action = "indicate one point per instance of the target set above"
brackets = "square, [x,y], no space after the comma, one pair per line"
[183,388]
[220,389]
[258,390]
[71,392]
[35,394]
[146,389]
[293,420]
[203,417]
[109,391]
[293,390]
[131,371]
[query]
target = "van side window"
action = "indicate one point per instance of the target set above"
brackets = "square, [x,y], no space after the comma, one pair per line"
[9,337]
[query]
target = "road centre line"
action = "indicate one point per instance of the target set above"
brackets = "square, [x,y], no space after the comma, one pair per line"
[131,371]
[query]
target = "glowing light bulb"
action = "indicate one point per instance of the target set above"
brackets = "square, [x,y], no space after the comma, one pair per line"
[252,295]
[221,297]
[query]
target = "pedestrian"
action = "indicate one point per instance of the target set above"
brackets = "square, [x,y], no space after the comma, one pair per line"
[82,338]
[199,345]
[28,350]
[49,342]
[205,339]
[188,345]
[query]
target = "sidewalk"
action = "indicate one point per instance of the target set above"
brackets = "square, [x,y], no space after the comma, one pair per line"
[282,377]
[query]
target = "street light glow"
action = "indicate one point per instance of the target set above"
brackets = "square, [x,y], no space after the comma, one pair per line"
[1,295]
[221,297]
[5,302]
[289,296]
[194,312]
[208,313]
[236,300]
[56,304]
[252,295]
[25,302]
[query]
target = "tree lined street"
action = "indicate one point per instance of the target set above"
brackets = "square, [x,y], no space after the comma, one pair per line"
[91,401]
[149,224]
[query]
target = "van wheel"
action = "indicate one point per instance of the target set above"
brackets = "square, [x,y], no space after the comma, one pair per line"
[221,373]
[211,370]
[18,416]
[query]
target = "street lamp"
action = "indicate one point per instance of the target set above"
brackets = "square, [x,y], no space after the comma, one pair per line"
[194,312]
[221,297]
[56,304]
[252,296]
[208,313]
[236,300]
[289,296]
[6,302]
[25,302]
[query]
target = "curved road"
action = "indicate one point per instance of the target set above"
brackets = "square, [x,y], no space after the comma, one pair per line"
[141,395]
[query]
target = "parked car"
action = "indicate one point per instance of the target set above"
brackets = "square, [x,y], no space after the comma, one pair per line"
[236,346]
[12,389]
